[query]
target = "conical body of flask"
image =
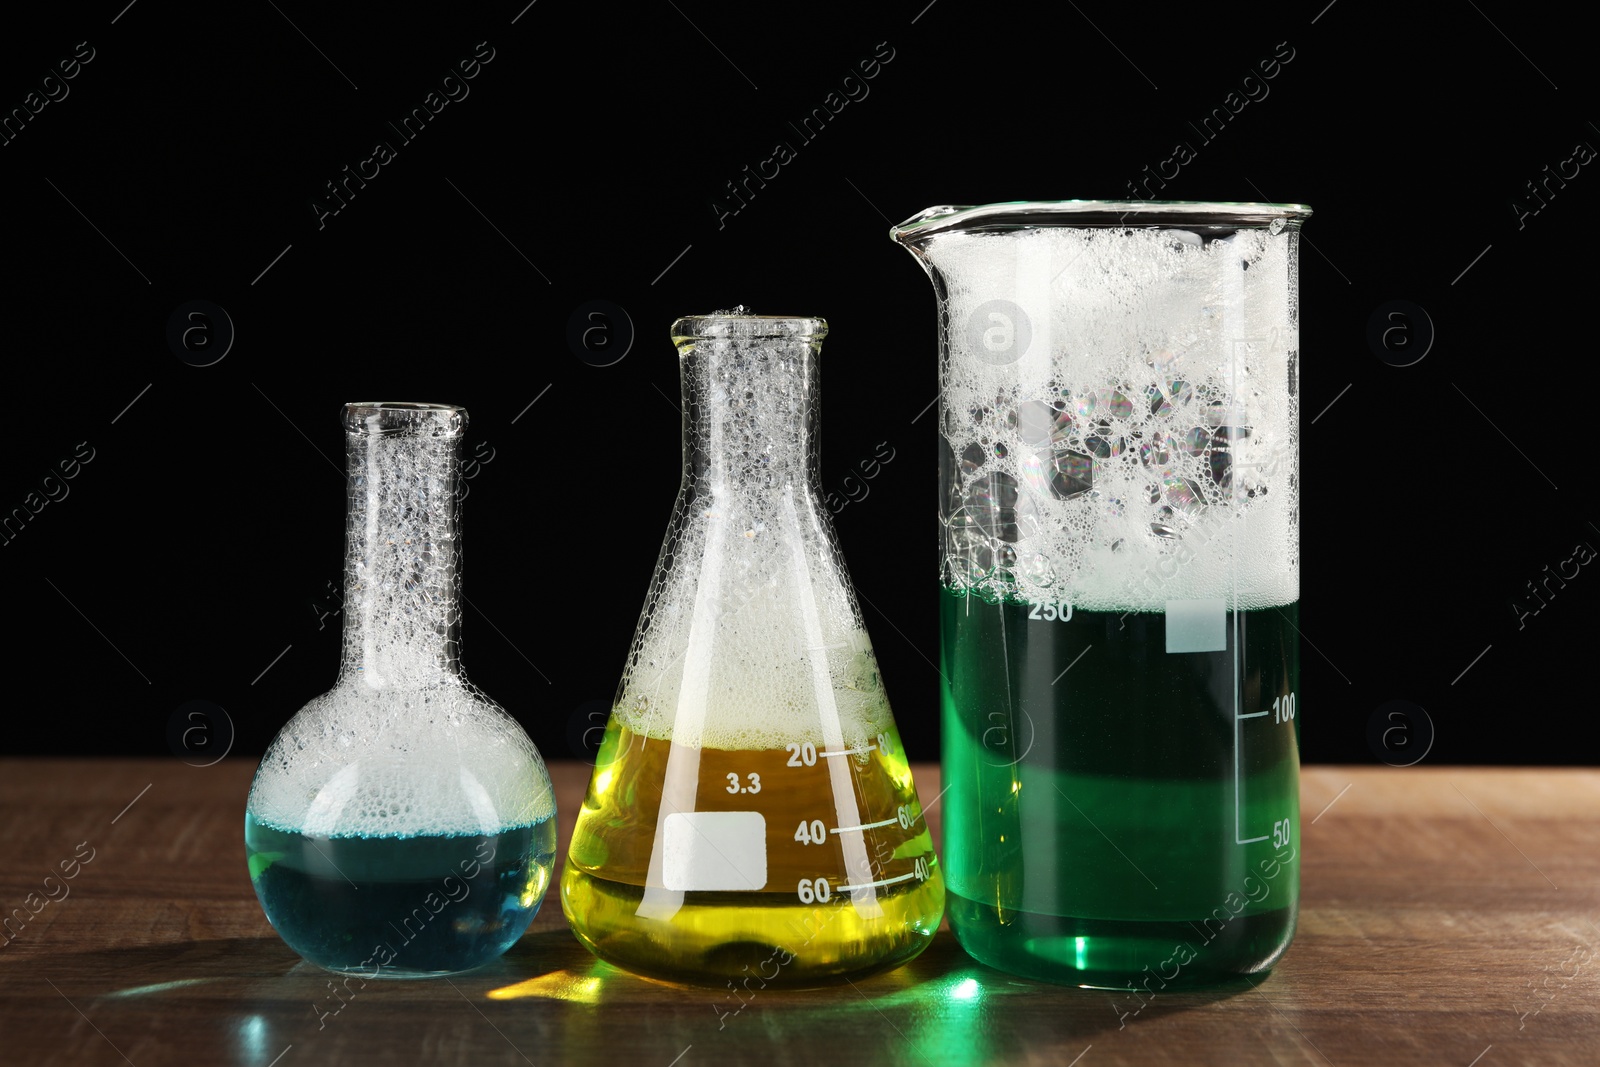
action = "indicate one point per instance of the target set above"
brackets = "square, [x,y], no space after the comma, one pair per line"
[752,815]
[401,824]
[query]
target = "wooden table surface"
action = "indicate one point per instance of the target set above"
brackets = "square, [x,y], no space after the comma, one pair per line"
[1447,917]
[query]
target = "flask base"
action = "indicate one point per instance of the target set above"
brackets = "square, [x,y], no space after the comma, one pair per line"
[1142,957]
[767,938]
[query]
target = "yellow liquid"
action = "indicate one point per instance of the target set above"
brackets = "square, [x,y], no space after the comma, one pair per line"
[819,915]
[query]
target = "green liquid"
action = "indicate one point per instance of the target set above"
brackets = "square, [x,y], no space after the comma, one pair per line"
[1100,786]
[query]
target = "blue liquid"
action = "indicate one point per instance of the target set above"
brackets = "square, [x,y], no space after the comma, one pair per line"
[400,906]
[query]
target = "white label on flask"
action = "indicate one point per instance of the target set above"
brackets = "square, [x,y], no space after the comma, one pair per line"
[715,850]
[1197,625]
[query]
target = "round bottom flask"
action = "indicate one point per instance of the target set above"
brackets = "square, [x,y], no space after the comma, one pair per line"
[401,824]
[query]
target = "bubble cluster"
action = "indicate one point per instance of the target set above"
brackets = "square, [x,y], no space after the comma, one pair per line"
[1138,441]
[751,637]
[402,745]
[401,762]
[401,560]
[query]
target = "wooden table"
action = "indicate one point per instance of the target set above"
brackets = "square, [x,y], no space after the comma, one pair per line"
[1448,917]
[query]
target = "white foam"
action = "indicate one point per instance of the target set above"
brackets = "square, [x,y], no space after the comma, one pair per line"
[756,689]
[751,637]
[402,745]
[1117,324]
[363,761]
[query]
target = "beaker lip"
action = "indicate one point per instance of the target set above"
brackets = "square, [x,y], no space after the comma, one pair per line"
[1129,214]
[739,325]
[403,418]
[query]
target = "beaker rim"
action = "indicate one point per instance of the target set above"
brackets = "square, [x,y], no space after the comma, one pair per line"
[1108,214]
[738,325]
[403,418]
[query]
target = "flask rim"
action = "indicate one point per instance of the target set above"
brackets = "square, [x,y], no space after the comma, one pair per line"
[1099,214]
[738,326]
[403,418]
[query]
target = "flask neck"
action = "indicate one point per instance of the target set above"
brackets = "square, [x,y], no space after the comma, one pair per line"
[402,607]
[750,415]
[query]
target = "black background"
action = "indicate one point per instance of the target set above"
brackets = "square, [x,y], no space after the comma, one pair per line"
[196,548]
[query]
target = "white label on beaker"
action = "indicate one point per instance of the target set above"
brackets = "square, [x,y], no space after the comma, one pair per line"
[715,850]
[1197,625]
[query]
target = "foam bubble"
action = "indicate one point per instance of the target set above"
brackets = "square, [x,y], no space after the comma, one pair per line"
[402,746]
[402,548]
[1120,416]
[751,637]
[756,687]
[371,762]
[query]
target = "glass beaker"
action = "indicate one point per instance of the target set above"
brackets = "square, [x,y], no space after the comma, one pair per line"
[1119,503]
[401,824]
[751,814]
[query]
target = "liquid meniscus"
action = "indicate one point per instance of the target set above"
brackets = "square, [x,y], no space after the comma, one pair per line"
[400,906]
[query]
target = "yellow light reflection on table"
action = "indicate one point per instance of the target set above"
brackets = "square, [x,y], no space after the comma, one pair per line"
[557,985]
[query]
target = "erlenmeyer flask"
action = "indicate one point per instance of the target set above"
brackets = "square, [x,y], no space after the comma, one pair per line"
[751,813]
[401,824]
